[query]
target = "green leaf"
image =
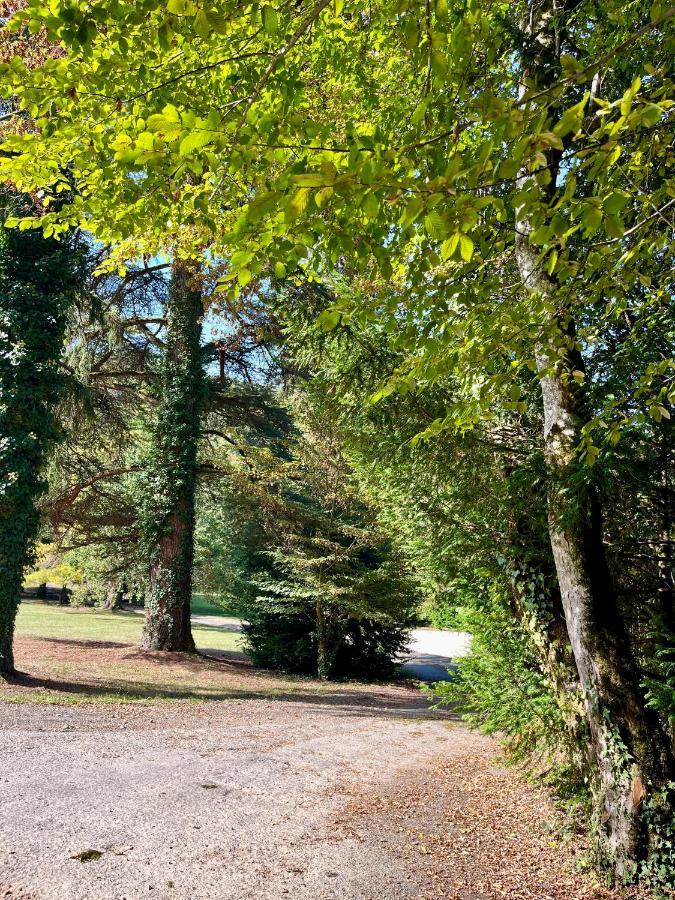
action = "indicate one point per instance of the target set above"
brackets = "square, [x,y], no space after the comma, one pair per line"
[508,168]
[411,212]
[614,227]
[263,204]
[572,118]
[370,205]
[591,218]
[466,247]
[201,24]
[311,179]
[270,19]
[164,34]
[614,202]
[171,114]
[321,197]
[650,115]
[439,62]
[193,141]
[435,225]
[217,21]
[449,246]
[328,320]
[296,205]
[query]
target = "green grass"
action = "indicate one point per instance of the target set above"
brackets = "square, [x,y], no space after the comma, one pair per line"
[47,620]
[202,606]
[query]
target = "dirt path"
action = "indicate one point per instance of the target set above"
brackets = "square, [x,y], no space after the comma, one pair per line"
[372,797]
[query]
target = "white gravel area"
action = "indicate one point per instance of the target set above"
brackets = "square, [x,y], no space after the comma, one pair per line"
[222,801]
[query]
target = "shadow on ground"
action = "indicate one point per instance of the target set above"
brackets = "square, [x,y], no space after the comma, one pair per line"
[191,677]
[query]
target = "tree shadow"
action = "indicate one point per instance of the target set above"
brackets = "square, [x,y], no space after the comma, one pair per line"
[86,643]
[333,701]
[330,702]
[111,685]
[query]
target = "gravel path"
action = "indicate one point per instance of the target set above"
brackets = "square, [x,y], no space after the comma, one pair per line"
[268,799]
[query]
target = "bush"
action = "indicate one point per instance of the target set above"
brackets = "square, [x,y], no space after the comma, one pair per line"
[501,689]
[361,648]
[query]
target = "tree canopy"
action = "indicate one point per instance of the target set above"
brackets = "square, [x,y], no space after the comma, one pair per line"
[403,142]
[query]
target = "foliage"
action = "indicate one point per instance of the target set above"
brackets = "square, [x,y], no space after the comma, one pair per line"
[63,574]
[501,688]
[657,870]
[38,280]
[351,116]
[489,568]
[102,507]
[661,689]
[321,587]
[493,182]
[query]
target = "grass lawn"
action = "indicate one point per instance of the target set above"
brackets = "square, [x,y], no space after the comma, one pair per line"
[45,620]
[202,606]
[73,656]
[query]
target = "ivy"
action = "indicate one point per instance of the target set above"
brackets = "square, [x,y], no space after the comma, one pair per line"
[38,281]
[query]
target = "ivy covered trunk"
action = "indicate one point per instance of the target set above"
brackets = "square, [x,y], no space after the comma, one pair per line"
[38,278]
[323,666]
[170,515]
[631,755]
[537,605]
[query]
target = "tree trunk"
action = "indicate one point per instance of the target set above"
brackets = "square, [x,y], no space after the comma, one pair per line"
[38,277]
[323,654]
[172,471]
[537,605]
[630,751]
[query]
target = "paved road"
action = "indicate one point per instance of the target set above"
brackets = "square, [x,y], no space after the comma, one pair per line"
[431,653]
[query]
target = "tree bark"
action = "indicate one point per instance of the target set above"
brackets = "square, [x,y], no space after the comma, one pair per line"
[630,751]
[537,605]
[172,471]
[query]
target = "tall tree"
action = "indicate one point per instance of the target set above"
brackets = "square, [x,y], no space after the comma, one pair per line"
[172,469]
[38,281]
[619,719]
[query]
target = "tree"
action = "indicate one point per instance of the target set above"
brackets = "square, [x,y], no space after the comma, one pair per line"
[483,493]
[320,585]
[170,485]
[146,420]
[38,280]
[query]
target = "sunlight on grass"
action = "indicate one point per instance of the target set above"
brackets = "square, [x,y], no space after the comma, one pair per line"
[201,605]
[44,620]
